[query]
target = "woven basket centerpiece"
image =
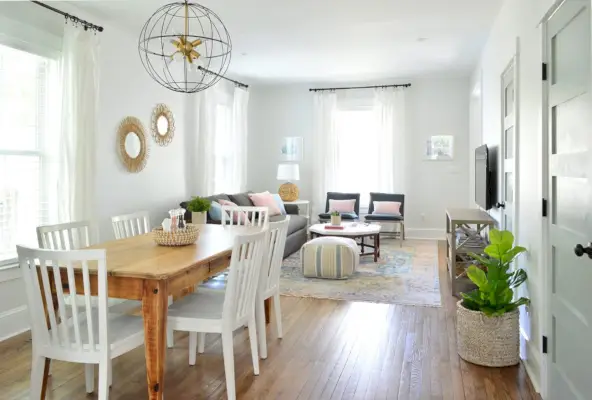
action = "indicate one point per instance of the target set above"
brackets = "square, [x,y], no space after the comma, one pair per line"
[178,237]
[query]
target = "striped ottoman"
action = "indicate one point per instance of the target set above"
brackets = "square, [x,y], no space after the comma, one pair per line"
[329,258]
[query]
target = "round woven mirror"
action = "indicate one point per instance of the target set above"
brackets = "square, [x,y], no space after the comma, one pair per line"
[163,125]
[133,148]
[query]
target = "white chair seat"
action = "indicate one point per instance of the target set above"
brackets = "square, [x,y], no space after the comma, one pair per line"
[205,304]
[122,328]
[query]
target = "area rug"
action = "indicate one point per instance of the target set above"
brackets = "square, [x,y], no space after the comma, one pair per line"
[403,275]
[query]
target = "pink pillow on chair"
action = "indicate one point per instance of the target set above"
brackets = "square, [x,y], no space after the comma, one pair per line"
[237,217]
[387,207]
[265,199]
[342,206]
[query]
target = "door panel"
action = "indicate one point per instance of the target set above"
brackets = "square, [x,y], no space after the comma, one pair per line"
[508,147]
[570,223]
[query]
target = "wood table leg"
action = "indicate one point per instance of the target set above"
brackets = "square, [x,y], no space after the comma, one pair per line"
[154,311]
[267,310]
[45,378]
[376,247]
[362,244]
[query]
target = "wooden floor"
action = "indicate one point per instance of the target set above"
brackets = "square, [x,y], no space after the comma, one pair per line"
[330,350]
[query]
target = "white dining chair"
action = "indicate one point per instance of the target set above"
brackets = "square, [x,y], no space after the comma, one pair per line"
[129,225]
[225,311]
[245,216]
[75,236]
[90,335]
[134,224]
[269,281]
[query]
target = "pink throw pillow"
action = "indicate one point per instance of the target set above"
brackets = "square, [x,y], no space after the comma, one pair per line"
[265,199]
[237,217]
[387,207]
[342,206]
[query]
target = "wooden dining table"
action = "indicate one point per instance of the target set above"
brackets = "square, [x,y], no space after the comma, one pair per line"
[139,269]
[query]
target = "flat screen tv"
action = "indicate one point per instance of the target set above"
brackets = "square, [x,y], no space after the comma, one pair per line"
[483,183]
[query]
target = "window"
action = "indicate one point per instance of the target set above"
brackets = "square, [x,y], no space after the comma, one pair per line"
[223,162]
[28,172]
[357,164]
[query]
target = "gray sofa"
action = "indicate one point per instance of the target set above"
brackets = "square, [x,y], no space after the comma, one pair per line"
[296,229]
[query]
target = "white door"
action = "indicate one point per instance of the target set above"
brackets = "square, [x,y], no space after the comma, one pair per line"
[509,148]
[570,195]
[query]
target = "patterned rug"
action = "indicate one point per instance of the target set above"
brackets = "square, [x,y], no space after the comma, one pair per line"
[403,275]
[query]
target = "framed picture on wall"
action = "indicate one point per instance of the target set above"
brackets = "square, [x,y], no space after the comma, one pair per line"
[292,148]
[440,148]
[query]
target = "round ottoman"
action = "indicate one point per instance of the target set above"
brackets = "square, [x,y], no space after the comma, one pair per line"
[329,257]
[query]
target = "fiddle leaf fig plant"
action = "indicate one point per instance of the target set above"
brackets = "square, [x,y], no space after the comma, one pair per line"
[496,282]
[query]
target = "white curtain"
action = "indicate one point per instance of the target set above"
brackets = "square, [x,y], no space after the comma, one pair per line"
[389,105]
[204,159]
[325,148]
[238,141]
[220,164]
[80,91]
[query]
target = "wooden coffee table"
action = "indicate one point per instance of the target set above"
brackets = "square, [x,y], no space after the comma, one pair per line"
[353,230]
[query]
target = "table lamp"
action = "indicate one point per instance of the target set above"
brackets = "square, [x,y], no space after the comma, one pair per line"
[288,172]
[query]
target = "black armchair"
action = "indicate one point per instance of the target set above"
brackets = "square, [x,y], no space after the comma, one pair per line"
[341,196]
[388,218]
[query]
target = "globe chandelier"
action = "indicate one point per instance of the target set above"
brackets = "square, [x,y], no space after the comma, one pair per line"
[185,47]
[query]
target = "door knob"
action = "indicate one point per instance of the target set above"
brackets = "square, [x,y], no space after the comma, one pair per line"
[581,250]
[500,205]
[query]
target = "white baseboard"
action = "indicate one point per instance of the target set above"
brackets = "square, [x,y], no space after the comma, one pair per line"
[13,322]
[531,359]
[430,234]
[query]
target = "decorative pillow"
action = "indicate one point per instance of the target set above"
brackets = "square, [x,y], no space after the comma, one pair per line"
[342,206]
[265,199]
[237,217]
[215,211]
[280,203]
[387,207]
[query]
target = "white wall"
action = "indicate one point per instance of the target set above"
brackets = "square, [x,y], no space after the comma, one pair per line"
[437,106]
[125,90]
[520,19]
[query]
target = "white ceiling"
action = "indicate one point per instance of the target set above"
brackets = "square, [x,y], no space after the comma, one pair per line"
[337,40]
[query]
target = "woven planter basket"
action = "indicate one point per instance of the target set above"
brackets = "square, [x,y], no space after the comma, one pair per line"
[488,341]
[176,238]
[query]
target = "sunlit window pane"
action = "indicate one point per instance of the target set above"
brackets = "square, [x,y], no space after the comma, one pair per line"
[358,162]
[28,172]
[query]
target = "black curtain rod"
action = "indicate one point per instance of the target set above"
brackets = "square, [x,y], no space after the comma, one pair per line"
[406,85]
[237,83]
[87,25]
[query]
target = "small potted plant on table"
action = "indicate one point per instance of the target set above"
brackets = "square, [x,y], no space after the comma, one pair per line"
[199,207]
[335,218]
[487,321]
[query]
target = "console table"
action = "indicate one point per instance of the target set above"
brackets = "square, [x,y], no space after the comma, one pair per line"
[464,228]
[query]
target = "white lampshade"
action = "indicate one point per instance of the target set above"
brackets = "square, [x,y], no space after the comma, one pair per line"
[288,172]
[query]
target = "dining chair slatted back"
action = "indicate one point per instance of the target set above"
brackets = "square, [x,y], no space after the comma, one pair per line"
[272,263]
[243,278]
[68,236]
[71,338]
[245,216]
[128,225]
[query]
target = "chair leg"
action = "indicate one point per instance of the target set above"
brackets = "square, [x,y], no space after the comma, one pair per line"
[278,314]
[402,233]
[253,340]
[110,373]
[170,337]
[104,379]
[261,333]
[89,377]
[37,367]
[228,351]
[192,347]
[201,342]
